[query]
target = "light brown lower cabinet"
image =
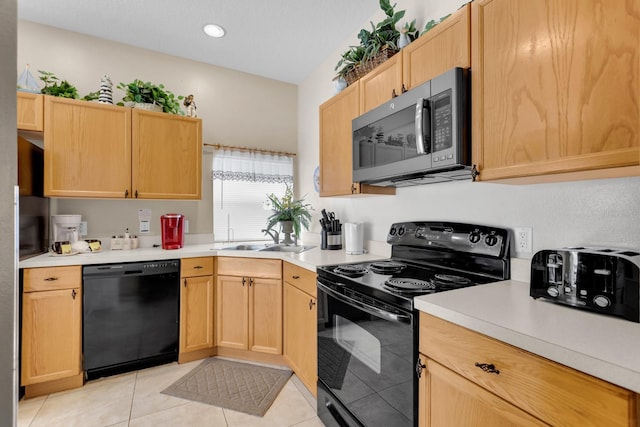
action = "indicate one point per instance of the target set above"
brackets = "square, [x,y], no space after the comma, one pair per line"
[196,308]
[51,329]
[249,304]
[471,379]
[301,324]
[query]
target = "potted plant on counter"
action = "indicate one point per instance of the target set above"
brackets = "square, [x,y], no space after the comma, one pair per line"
[140,92]
[290,213]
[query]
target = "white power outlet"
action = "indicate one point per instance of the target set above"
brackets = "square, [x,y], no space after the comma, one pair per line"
[82,229]
[524,240]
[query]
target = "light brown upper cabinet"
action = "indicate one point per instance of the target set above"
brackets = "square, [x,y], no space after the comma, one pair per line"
[101,151]
[555,89]
[87,149]
[166,155]
[444,47]
[336,177]
[30,111]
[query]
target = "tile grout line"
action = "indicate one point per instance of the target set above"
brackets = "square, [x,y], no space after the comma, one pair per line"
[133,396]
[38,411]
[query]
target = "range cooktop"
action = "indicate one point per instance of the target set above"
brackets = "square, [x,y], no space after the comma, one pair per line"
[427,257]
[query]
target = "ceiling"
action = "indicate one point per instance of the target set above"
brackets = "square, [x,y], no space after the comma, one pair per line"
[278,39]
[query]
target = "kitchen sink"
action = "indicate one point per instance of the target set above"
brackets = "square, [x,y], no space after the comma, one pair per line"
[267,247]
[284,248]
[245,247]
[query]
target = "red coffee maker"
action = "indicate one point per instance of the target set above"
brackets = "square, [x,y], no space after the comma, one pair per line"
[172,231]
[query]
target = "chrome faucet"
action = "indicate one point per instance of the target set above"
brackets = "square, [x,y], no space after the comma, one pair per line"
[275,236]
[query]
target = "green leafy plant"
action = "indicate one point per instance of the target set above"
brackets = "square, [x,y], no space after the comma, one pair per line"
[409,28]
[432,23]
[383,35]
[349,60]
[54,87]
[287,208]
[149,93]
[91,96]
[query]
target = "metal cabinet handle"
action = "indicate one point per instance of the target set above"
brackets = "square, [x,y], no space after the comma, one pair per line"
[50,279]
[73,293]
[419,367]
[295,277]
[488,368]
[311,304]
[126,193]
[251,281]
[404,89]
[198,267]
[185,283]
[393,93]
[136,194]
[244,280]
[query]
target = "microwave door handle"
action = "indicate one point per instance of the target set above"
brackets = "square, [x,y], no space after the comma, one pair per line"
[419,123]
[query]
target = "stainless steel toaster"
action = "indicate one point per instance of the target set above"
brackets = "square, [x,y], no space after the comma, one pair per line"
[605,281]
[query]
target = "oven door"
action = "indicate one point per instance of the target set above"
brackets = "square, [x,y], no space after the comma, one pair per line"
[366,356]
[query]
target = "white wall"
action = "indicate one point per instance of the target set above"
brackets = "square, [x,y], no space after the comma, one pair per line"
[237,109]
[599,212]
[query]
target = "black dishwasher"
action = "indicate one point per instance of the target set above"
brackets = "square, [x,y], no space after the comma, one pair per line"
[131,315]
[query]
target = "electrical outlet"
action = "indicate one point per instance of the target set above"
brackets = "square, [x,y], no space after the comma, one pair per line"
[82,229]
[524,240]
[186,226]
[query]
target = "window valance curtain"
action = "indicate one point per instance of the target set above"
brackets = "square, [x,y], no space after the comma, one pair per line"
[250,166]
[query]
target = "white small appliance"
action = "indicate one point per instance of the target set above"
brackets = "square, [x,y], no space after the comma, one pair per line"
[65,227]
[354,238]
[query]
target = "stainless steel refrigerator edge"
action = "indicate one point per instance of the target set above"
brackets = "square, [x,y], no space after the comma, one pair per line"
[8,211]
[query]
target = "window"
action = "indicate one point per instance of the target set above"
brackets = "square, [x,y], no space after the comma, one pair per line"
[241,181]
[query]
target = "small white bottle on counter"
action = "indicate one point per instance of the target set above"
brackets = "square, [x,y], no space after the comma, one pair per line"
[126,243]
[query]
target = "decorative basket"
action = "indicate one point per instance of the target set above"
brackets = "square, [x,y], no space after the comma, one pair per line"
[361,69]
[148,107]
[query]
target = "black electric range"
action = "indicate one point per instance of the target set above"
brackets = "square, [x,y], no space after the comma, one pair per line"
[367,325]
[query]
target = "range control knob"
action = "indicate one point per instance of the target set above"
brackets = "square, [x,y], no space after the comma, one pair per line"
[401,231]
[474,236]
[601,301]
[491,240]
[553,291]
[393,231]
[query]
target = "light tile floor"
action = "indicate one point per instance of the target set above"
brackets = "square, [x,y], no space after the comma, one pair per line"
[134,399]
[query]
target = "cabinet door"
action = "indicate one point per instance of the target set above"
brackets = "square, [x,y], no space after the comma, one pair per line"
[232,316]
[335,141]
[265,308]
[30,111]
[166,156]
[447,399]
[446,46]
[555,87]
[381,84]
[196,313]
[87,149]
[51,340]
[300,335]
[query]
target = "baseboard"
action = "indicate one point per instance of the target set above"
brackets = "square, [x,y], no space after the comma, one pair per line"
[41,389]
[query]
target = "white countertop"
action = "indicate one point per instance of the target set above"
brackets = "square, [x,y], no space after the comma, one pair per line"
[603,346]
[309,259]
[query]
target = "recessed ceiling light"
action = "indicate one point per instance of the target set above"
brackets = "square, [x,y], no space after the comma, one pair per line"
[213,30]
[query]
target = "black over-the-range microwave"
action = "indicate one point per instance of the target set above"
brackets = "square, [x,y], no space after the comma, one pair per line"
[420,137]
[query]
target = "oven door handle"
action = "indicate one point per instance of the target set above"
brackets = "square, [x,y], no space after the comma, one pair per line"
[400,318]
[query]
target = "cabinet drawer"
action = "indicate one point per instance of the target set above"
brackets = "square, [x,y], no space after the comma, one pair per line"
[300,277]
[254,267]
[52,278]
[202,266]
[556,394]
